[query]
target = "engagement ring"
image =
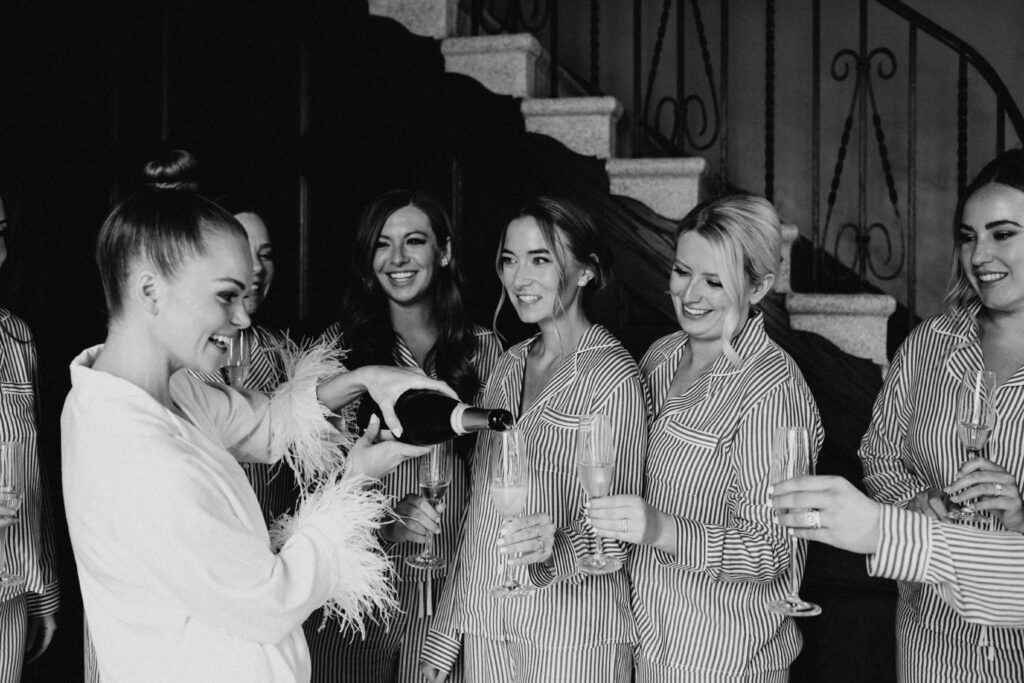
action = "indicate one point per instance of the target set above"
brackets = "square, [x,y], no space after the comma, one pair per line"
[812,519]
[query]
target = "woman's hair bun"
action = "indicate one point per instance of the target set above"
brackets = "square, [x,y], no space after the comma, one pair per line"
[171,171]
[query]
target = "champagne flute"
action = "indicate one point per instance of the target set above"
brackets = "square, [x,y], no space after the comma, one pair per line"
[236,366]
[12,492]
[975,419]
[509,489]
[791,457]
[435,472]
[595,467]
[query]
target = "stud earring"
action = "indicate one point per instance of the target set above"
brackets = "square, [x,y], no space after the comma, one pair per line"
[444,261]
[584,279]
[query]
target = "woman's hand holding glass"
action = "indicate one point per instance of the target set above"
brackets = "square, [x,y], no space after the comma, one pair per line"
[932,503]
[975,420]
[992,489]
[847,518]
[415,520]
[632,519]
[527,540]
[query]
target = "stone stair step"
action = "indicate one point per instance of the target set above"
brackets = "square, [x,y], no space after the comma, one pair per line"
[783,281]
[586,125]
[856,323]
[430,18]
[507,64]
[670,187]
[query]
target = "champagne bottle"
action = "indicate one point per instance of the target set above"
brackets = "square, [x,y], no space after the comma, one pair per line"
[429,417]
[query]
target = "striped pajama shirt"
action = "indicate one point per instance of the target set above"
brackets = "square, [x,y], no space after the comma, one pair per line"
[29,544]
[390,653]
[572,617]
[977,572]
[702,612]
[911,446]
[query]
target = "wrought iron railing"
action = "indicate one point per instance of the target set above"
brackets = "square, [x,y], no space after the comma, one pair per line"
[677,93]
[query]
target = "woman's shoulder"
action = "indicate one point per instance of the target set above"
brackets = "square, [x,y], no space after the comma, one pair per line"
[15,326]
[600,350]
[662,349]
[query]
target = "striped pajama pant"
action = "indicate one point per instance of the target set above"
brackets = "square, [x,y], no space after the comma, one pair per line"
[13,623]
[493,661]
[927,656]
[647,671]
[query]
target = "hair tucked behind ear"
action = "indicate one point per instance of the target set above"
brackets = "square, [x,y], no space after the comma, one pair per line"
[744,231]
[162,226]
[366,318]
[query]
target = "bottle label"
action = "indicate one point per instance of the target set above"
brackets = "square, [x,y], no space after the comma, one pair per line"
[456,420]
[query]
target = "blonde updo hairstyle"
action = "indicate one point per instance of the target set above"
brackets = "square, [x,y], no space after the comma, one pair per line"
[744,232]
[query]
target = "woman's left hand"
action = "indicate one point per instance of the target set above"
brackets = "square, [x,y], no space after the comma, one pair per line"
[532,537]
[631,519]
[992,488]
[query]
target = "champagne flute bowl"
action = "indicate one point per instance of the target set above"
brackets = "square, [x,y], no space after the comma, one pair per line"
[975,419]
[595,467]
[239,356]
[791,457]
[509,483]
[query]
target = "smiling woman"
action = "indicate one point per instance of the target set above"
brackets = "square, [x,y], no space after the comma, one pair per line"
[180,579]
[404,306]
[911,454]
[707,554]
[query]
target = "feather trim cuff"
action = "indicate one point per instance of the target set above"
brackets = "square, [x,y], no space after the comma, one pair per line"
[349,515]
[311,445]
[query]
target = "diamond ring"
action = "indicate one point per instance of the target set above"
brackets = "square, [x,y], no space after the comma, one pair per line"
[812,519]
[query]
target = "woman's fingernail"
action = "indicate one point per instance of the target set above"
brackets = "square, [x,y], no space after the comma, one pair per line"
[771,490]
[586,505]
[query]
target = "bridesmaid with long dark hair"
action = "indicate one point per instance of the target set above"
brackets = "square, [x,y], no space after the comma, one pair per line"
[404,307]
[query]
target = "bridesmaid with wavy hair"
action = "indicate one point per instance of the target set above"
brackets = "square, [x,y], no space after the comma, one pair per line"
[404,307]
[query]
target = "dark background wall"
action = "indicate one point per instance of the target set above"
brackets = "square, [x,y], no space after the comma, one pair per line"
[280,102]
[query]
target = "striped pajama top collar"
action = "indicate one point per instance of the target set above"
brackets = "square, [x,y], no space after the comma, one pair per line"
[595,338]
[751,342]
[965,336]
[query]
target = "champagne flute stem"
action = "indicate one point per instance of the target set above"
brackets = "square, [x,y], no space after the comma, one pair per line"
[3,549]
[428,547]
[794,581]
[506,577]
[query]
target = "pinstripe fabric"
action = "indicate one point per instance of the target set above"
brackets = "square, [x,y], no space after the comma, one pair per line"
[391,653]
[979,573]
[701,613]
[492,661]
[30,548]
[274,484]
[571,611]
[13,625]
[912,445]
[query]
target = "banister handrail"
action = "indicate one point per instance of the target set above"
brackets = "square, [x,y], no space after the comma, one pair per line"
[981,65]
